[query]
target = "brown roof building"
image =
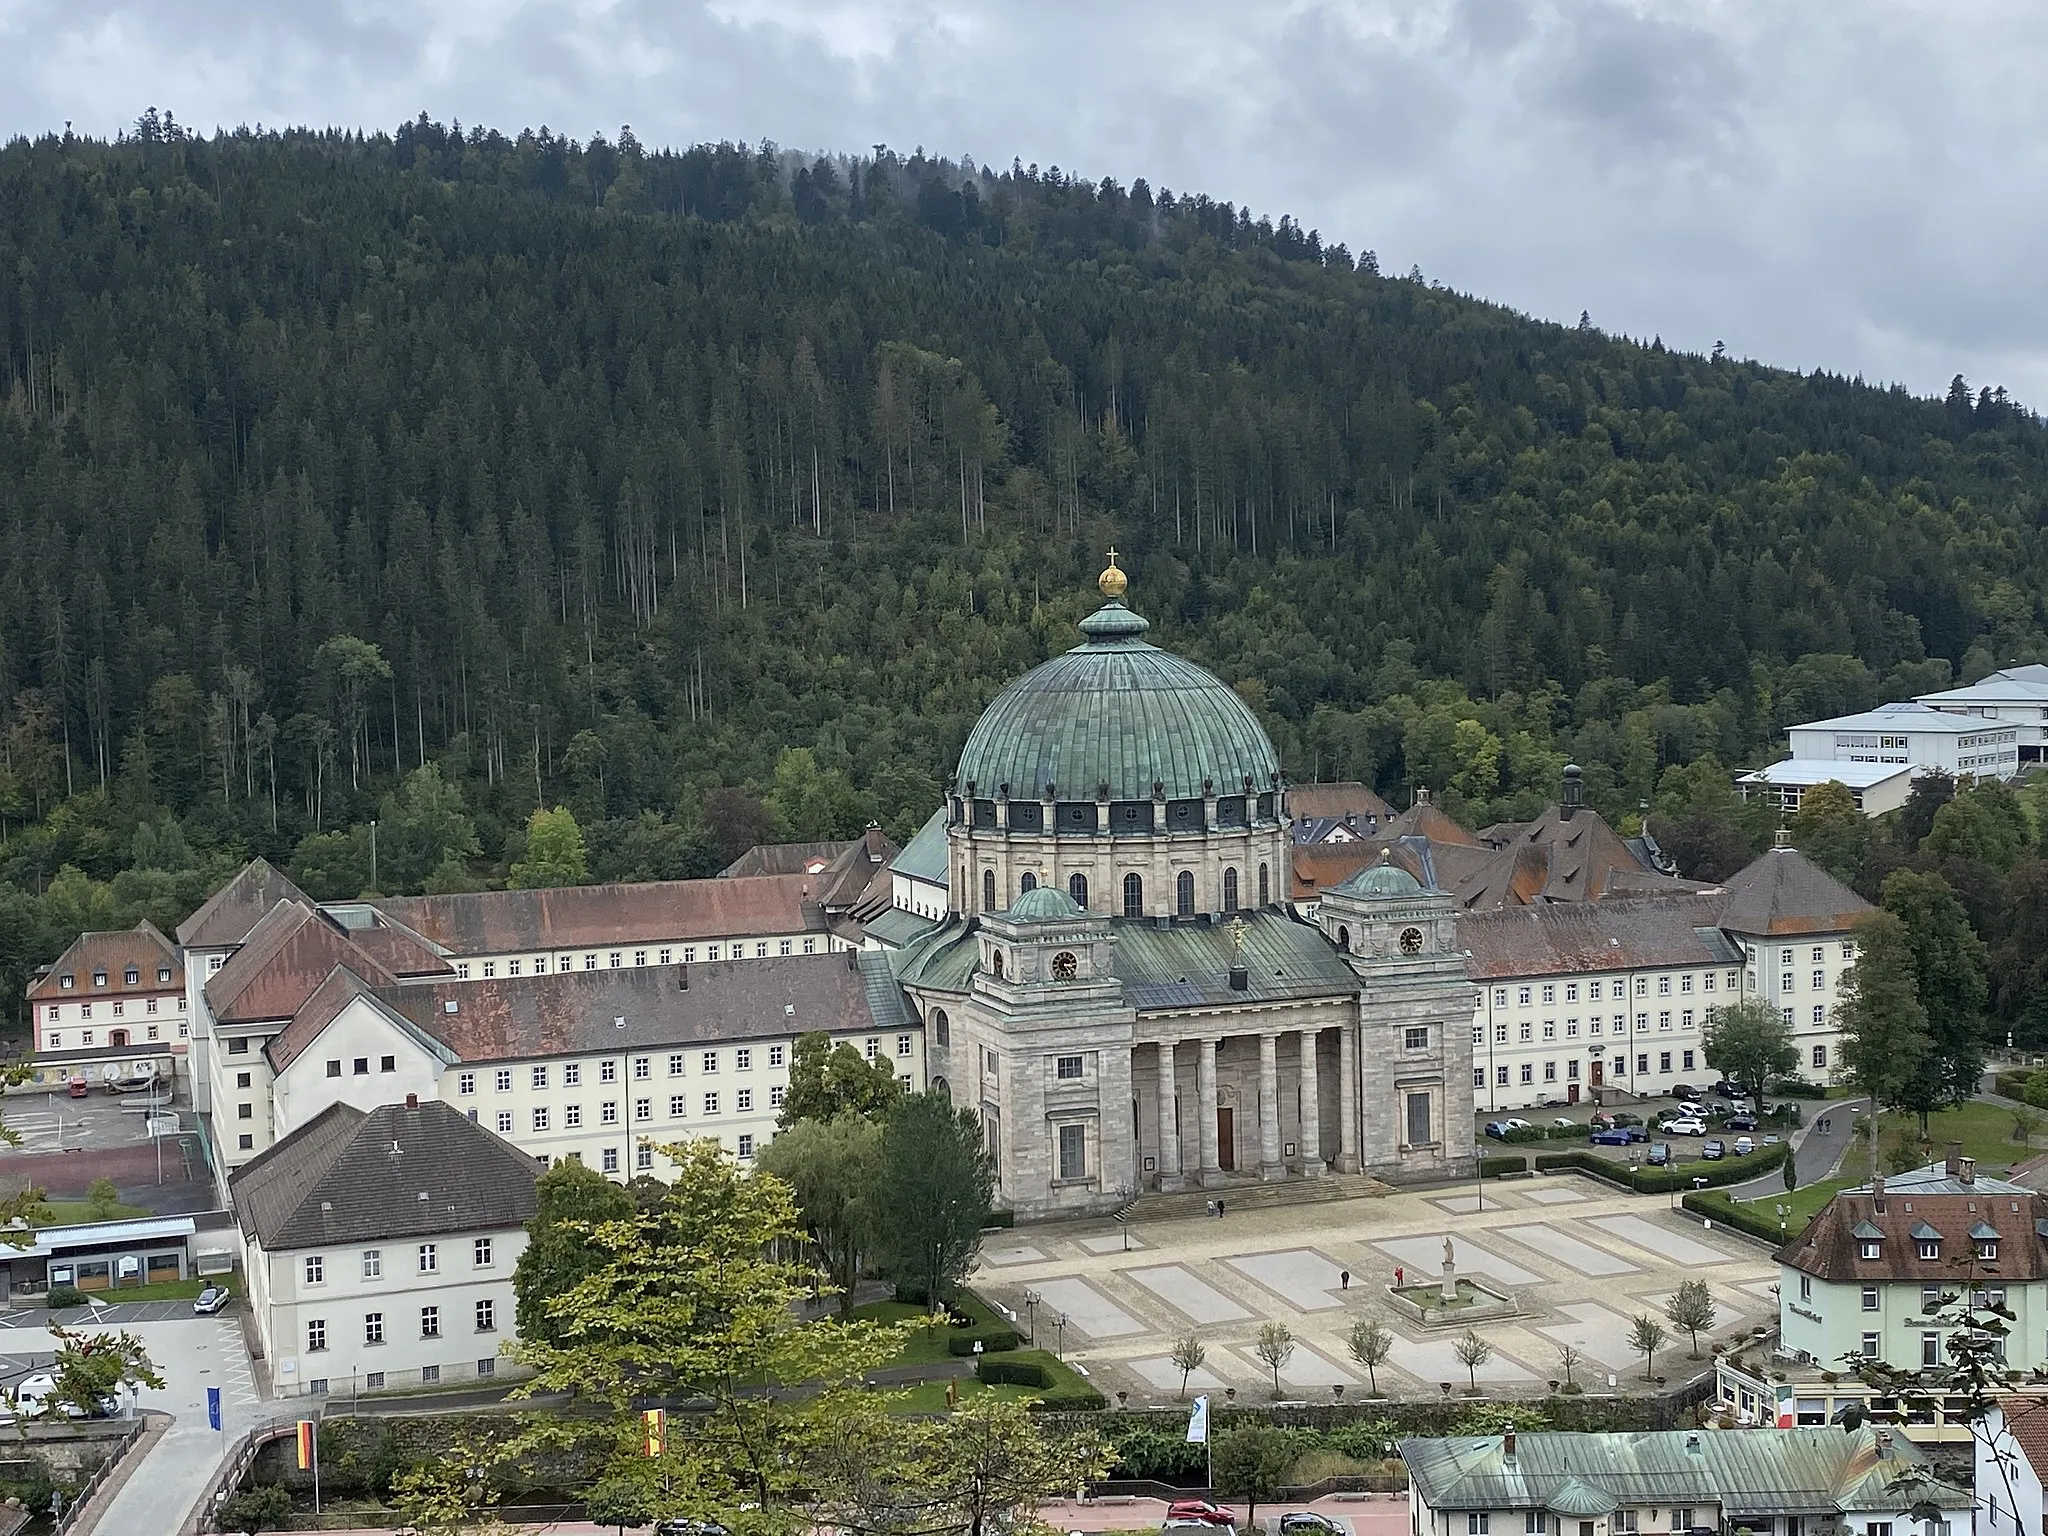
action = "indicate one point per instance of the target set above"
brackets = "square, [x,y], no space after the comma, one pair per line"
[494,923]
[109,993]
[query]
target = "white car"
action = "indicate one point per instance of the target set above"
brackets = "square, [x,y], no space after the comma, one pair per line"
[36,1397]
[1684,1125]
[1514,1124]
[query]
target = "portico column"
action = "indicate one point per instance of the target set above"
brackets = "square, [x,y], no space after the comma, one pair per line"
[1311,1110]
[1205,1113]
[1169,1132]
[1347,1099]
[1270,1166]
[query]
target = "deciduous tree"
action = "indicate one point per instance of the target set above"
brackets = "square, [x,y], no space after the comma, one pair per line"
[933,1195]
[1750,1042]
[834,1168]
[1691,1310]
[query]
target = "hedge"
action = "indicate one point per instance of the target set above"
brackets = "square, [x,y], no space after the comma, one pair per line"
[1663,1181]
[1060,1389]
[2013,1084]
[1017,1370]
[1496,1167]
[1757,1220]
[993,1341]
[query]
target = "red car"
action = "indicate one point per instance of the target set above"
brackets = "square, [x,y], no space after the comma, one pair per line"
[1199,1509]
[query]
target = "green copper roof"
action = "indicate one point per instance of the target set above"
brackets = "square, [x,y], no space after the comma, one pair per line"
[1382,880]
[1116,711]
[924,856]
[1042,904]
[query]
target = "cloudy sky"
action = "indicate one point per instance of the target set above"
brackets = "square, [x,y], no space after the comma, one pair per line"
[1854,184]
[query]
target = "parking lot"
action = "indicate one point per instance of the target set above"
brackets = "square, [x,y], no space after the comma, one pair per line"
[1640,1120]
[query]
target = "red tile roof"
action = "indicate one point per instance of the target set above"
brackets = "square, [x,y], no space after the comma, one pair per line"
[569,917]
[111,955]
[1830,1247]
[282,962]
[239,906]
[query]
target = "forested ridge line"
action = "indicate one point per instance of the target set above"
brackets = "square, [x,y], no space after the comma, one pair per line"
[712,492]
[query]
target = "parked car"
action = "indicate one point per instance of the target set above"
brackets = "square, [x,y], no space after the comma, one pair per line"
[36,1397]
[1660,1155]
[210,1300]
[1684,1125]
[1714,1150]
[1564,1122]
[1497,1129]
[1772,1139]
[1739,1123]
[1199,1510]
[1684,1091]
[1620,1136]
[1744,1146]
[1304,1523]
[689,1528]
[1727,1090]
[1736,1107]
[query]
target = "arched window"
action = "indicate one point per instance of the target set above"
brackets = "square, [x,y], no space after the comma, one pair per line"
[1344,939]
[940,1087]
[1265,895]
[1064,966]
[1184,893]
[1230,890]
[1134,896]
[1028,884]
[1077,887]
[942,1027]
[988,890]
[996,963]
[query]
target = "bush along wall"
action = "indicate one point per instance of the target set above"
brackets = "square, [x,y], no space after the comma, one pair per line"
[1664,1181]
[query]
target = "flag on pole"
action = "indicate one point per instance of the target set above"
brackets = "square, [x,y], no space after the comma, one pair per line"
[1788,1409]
[305,1444]
[656,1420]
[213,1407]
[1198,1422]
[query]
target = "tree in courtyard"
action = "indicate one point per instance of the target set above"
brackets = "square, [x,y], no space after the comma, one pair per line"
[1691,1310]
[1251,1461]
[617,1501]
[554,853]
[827,1081]
[102,1196]
[1472,1352]
[1569,1358]
[90,1368]
[933,1196]
[834,1168]
[1883,1027]
[693,1300]
[265,1507]
[1949,972]
[575,1200]
[1371,1343]
[1646,1336]
[1276,1348]
[1188,1354]
[1750,1043]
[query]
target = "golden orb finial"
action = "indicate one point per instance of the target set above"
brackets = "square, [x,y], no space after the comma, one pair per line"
[1112,581]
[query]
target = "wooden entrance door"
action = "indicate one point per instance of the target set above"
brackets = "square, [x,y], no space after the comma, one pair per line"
[1599,1077]
[1571,1094]
[1226,1139]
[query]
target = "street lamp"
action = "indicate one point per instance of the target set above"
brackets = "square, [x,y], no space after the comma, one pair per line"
[1060,1345]
[1031,1314]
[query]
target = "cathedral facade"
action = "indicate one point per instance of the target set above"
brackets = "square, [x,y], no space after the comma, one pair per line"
[1118,987]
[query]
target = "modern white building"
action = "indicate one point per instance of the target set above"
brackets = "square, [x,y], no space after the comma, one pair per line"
[1876,755]
[378,1248]
[2011,1462]
[2014,695]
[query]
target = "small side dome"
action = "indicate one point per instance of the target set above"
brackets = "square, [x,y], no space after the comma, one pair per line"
[1577,1499]
[1382,880]
[1043,904]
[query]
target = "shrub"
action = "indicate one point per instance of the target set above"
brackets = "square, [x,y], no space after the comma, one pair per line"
[1142,1451]
[1002,1218]
[1522,1135]
[1759,1220]
[2012,1084]
[1568,1132]
[1018,1370]
[64,1296]
[1499,1167]
[993,1341]
[1664,1181]
[1077,1398]
[1798,1088]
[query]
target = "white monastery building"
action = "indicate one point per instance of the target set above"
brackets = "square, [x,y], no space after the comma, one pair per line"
[1879,753]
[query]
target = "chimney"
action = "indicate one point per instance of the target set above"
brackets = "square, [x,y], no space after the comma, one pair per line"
[1692,1443]
[1507,1443]
[1877,1193]
[1953,1166]
[1574,793]
[412,1101]
[1240,978]
[1783,839]
[1967,1172]
[1882,1440]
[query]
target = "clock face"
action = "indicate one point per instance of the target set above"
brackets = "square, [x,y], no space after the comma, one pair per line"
[1411,941]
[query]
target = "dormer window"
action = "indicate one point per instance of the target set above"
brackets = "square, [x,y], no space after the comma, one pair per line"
[99,978]
[67,981]
[1988,1249]
[163,973]
[1870,1247]
[131,976]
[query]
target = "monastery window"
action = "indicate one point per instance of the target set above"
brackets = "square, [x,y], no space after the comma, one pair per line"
[1663,1061]
[783,947]
[1479,1034]
[490,969]
[1571,992]
[503,1080]
[1073,1152]
[572,1117]
[1265,896]
[871,1047]
[1593,1025]
[1642,1062]
[1502,1074]
[675,1064]
[1707,982]
[99,978]
[678,1106]
[1550,1029]
[1500,997]
[572,1074]
[1732,982]
[711,1061]
[361,1066]
[590,962]
[540,1077]
[540,1119]
[1026,883]
[1184,893]
[1528,1072]
[1549,993]
[1685,1019]
[643,1066]
[1500,1034]
[504,1122]
[55,1039]
[639,957]
[85,1010]
[995,957]
[1526,1033]
[1642,1021]
[1664,1018]
[1134,896]
[1522,996]
[1344,939]
[334,1067]
[462,970]
[711,950]
[1550,1071]
[1663,986]
[512,967]
[387,1063]
[988,890]
[608,1160]
[1820,1055]
[1229,890]
[615,957]
[1077,887]
[131,976]
[1415,1038]
[1067,1068]
[810,946]
[373,1263]
[689,954]
[777,1094]
[1571,1029]
[608,1113]
[1687,1062]
[316,1335]
[746,1148]
[607,1071]
[710,1103]
[743,1059]
[1820,981]
[743,1101]
[1479,1077]
[643,1157]
[643,1109]
[152,1032]
[1685,982]
[1642,986]
[67,981]
[902,1046]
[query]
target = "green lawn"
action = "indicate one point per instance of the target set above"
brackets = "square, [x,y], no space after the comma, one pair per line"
[927,1344]
[71,1213]
[1985,1130]
[1801,1205]
[930,1396]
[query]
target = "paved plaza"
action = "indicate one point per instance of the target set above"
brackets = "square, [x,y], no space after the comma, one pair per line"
[1579,1258]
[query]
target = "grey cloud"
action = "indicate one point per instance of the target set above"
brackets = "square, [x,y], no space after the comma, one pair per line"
[1866,197]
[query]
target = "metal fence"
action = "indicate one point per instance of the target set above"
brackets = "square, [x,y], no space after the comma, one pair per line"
[70,1518]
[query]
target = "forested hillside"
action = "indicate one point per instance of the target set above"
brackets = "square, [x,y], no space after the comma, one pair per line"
[711,493]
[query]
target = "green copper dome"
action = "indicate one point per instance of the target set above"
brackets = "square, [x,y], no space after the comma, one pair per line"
[1382,880]
[1043,904]
[1116,711]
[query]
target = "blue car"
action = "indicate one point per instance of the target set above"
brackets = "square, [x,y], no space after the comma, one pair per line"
[1619,1136]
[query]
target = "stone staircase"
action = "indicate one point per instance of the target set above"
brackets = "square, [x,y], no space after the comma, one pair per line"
[1251,1195]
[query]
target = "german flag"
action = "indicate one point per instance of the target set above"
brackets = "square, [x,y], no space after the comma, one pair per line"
[656,1420]
[306,1451]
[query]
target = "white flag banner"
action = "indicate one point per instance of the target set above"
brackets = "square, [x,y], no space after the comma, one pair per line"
[1198,1422]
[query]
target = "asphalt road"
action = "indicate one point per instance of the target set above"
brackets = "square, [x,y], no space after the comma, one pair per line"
[1817,1151]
